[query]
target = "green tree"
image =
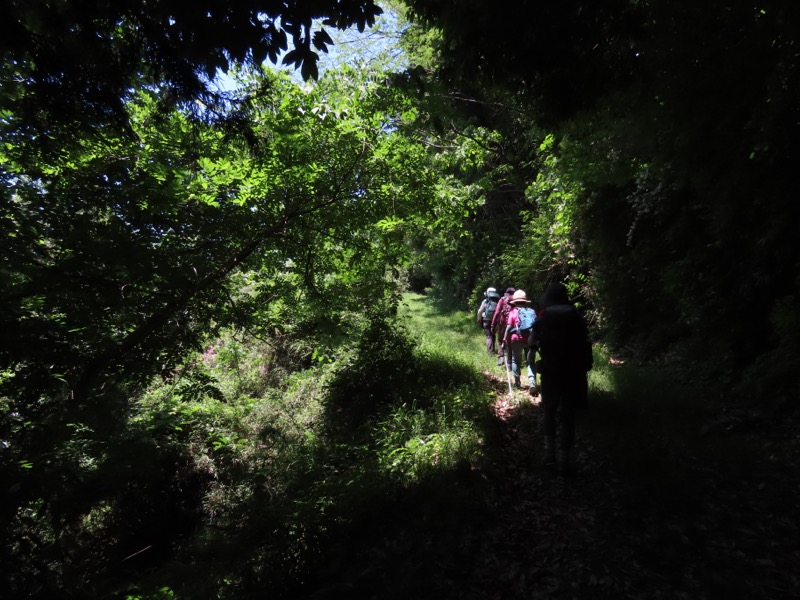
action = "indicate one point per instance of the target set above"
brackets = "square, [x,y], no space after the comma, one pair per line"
[674,128]
[117,262]
[75,61]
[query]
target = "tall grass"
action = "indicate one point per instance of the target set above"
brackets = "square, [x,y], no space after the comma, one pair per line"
[449,334]
[381,442]
[255,480]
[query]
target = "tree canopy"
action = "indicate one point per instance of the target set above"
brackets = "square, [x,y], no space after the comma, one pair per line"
[74,61]
[670,133]
[130,237]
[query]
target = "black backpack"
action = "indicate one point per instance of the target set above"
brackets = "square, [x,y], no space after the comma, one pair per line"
[563,340]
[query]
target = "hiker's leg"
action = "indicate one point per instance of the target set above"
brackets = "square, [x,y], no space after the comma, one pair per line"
[487,327]
[549,407]
[549,451]
[567,421]
[567,417]
[549,413]
[517,352]
[530,358]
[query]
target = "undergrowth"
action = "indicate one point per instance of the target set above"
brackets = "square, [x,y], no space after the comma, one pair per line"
[288,459]
[255,480]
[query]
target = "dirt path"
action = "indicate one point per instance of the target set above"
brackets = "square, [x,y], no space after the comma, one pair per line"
[601,535]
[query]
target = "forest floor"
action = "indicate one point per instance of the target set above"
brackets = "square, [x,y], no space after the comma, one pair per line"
[641,522]
[674,496]
[715,517]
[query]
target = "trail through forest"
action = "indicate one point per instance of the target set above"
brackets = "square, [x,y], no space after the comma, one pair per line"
[705,531]
[647,522]
[204,391]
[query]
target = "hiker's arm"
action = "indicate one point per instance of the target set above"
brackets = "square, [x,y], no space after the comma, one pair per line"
[480,312]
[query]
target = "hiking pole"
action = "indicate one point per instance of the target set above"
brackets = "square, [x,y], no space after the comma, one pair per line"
[507,352]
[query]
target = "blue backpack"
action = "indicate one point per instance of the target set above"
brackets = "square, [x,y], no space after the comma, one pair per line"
[527,316]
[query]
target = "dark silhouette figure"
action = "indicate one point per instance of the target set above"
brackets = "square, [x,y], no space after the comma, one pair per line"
[566,358]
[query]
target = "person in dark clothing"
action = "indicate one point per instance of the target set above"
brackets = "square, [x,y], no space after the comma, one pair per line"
[566,358]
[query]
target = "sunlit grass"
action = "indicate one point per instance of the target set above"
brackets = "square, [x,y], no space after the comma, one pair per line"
[286,487]
[452,334]
[434,424]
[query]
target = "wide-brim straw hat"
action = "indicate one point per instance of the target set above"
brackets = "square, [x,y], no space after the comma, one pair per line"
[519,298]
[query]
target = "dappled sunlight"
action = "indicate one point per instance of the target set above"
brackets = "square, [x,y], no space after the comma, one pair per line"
[215,384]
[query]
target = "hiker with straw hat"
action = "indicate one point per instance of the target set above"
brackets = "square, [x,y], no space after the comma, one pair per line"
[518,330]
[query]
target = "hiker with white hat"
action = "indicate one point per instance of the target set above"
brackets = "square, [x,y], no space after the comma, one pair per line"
[485,315]
[518,330]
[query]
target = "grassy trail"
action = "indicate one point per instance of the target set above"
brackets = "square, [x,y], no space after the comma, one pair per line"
[544,531]
[660,507]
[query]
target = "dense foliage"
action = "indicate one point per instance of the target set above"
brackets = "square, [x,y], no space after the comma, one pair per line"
[123,253]
[657,174]
[199,343]
[76,61]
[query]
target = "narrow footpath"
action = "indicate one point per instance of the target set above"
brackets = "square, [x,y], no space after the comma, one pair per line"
[665,504]
[720,530]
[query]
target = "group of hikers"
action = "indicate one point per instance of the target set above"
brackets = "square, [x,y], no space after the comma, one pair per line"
[518,330]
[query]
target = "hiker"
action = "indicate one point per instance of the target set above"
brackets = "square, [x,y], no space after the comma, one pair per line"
[499,324]
[566,358]
[485,314]
[518,329]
